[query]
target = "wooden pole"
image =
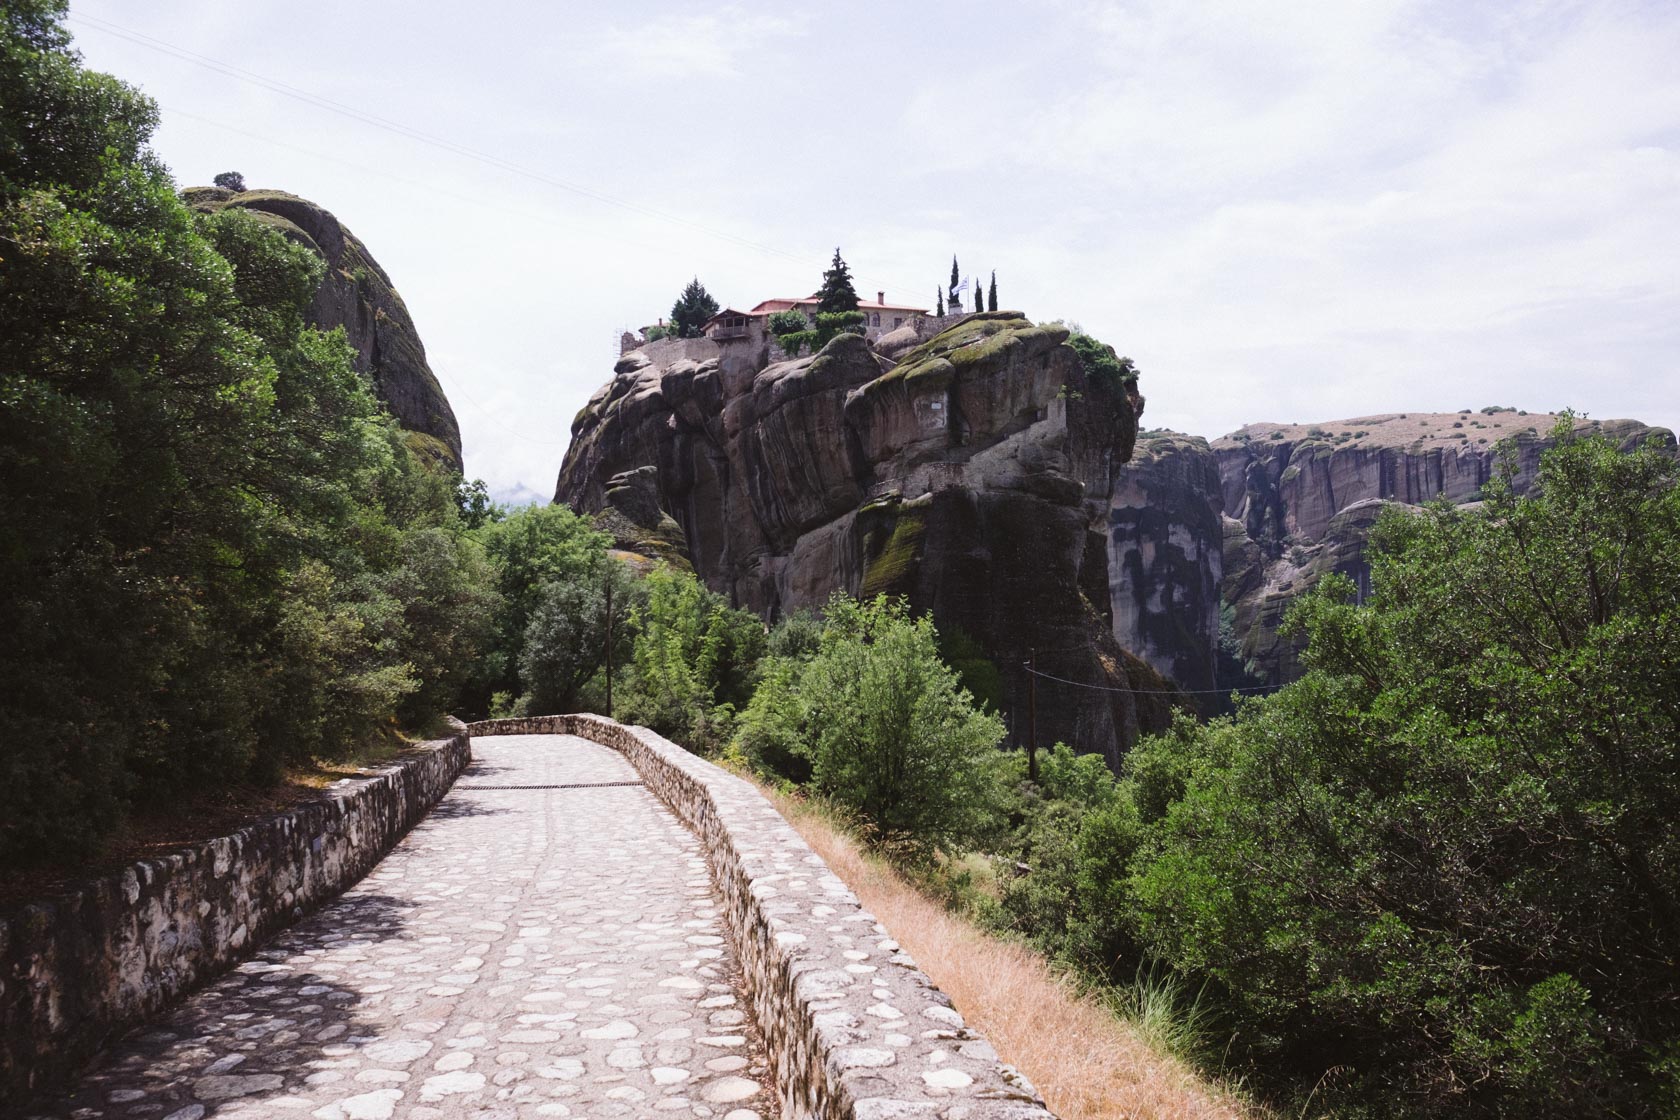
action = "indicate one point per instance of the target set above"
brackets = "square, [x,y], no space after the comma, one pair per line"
[1032,716]
[609,711]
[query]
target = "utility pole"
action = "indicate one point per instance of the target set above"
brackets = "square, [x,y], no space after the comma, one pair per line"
[609,643]
[1032,715]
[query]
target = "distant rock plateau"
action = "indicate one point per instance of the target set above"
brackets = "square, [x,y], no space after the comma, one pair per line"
[357,295]
[1215,541]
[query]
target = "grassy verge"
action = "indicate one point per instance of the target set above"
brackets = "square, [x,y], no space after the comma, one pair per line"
[1087,1060]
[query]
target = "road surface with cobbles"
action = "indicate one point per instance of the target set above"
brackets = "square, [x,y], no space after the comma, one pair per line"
[545,943]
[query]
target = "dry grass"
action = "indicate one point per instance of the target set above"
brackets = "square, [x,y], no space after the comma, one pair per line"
[1089,1064]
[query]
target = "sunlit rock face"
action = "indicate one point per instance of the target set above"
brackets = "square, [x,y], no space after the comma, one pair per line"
[973,474]
[357,295]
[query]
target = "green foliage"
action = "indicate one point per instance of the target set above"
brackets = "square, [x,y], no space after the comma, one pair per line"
[1446,859]
[565,639]
[790,321]
[219,556]
[1101,362]
[656,332]
[230,181]
[529,550]
[836,296]
[956,297]
[991,294]
[885,726]
[694,662]
[939,302]
[693,307]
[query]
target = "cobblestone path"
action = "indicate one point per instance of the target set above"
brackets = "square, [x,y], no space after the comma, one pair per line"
[527,950]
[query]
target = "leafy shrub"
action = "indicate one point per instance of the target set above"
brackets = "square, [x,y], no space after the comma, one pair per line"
[1101,362]
[693,664]
[884,726]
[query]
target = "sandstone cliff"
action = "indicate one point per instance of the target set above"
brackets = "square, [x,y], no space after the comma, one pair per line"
[357,295]
[974,475]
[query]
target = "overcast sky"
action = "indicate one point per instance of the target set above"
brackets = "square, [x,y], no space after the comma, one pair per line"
[1282,211]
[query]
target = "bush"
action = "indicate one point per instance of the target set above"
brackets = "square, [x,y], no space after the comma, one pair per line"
[693,664]
[885,726]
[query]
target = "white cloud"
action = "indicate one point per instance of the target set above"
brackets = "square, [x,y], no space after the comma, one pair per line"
[720,44]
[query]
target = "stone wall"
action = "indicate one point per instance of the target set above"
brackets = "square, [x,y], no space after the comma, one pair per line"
[76,972]
[854,1029]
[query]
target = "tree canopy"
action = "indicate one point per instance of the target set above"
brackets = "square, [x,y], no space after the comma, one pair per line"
[693,307]
[837,294]
[219,556]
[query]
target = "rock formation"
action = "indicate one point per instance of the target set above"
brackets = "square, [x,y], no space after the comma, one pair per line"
[1266,512]
[974,475]
[357,295]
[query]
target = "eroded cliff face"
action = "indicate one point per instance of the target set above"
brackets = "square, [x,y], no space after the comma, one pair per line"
[357,295]
[1300,501]
[973,475]
[1167,539]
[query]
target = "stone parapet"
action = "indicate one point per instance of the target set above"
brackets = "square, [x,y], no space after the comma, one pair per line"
[77,971]
[854,1029]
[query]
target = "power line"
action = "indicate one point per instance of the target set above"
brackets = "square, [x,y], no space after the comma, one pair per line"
[308,97]
[1148,691]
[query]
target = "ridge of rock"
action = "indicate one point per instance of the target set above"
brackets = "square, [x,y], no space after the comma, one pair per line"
[356,294]
[973,476]
[1218,539]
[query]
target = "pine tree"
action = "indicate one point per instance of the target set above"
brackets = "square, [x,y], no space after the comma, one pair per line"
[956,296]
[692,309]
[837,293]
[991,293]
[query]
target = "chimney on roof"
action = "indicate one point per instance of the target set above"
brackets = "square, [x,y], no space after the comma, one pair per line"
[880,297]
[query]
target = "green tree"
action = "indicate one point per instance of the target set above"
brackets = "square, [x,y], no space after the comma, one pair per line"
[528,551]
[230,181]
[565,642]
[218,556]
[939,302]
[956,296]
[891,733]
[1446,860]
[693,307]
[836,296]
[991,293]
[694,662]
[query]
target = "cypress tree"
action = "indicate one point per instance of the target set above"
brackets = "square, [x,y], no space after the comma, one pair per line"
[991,293]
[956,297]
[837,293]
[692,309]
[939,301]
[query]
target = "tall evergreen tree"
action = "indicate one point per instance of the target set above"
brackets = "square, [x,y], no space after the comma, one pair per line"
[991,293]
[939,302]
[837,293]
[692,309]
[956,278]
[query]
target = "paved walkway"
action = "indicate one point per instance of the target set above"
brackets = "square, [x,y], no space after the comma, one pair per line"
[527,950]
